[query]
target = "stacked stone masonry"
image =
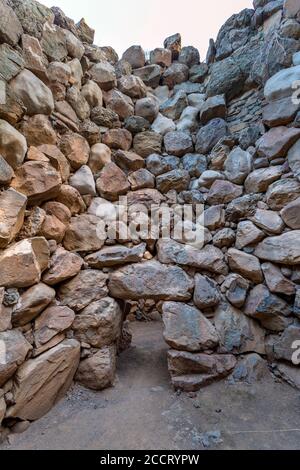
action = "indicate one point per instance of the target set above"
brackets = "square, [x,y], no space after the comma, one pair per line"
[81,127]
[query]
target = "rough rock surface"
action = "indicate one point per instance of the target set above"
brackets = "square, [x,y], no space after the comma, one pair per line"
[81,129]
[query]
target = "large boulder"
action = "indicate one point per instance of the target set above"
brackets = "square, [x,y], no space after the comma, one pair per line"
[284,249]
[39,181]
[150,280]
[35,95]
[210,134]
[104,75]
[49,376]
[187,329]
[32,15]
[22,264]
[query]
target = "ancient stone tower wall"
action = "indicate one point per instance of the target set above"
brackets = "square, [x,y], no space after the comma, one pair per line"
[80,128]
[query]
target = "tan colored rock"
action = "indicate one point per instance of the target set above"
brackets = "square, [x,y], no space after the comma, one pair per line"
[22,264]
[247,234]
[35,95]
[119,103]
[49,376]
[33,223]
[275,280]
[63,266]
[13,146]
[162,57]
[38,130]
[104,75]
[245,264]
[259,180]
[284,249]
[76,149]
[52,228]
[99,324]
[51,322]
[117,139]
[129,160]
[84,234]
[98,371]
[100,155]
[92,93]
[282,192]
[71,198]
[222,192]
[146,143]
[39,181]
[190,372]
[12,211]
[88,286]
[32,303]
[187,329]
[5,313]
[57,159]
[132,86]
[150,280]
[291,214]
[35,60]
[269,221]
[112,182]
[60,211]
[13,352]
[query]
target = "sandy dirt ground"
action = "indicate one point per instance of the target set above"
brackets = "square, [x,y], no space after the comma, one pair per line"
[143,412]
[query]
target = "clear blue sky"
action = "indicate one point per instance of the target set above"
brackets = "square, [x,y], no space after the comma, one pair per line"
[122,23]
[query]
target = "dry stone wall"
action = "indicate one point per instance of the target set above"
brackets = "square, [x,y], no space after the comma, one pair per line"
[80,128]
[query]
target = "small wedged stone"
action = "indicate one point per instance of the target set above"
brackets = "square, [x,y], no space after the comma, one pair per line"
[97,372]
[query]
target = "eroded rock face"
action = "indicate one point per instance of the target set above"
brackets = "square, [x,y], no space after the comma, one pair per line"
[98,371]
[16,350]
[50,374]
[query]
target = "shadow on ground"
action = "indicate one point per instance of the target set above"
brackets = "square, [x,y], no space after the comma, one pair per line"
[143,412]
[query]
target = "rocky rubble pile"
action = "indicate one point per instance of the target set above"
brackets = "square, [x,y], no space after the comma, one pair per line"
[80,128]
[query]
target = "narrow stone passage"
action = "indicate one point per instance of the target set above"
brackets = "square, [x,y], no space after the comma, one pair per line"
[142,410]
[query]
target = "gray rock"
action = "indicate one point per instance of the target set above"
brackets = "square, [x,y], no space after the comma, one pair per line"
[178,180]
[198,73]
[187,329]
[135,56]
[173,43]
[206,294]
[238,165]
[174,106]
[115,256]
[151,280]
[83,181]
[178,143]
[209,135]
[150,74]
[214,107]
[189,56]
[158,164]
[195,164]
[281,84]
